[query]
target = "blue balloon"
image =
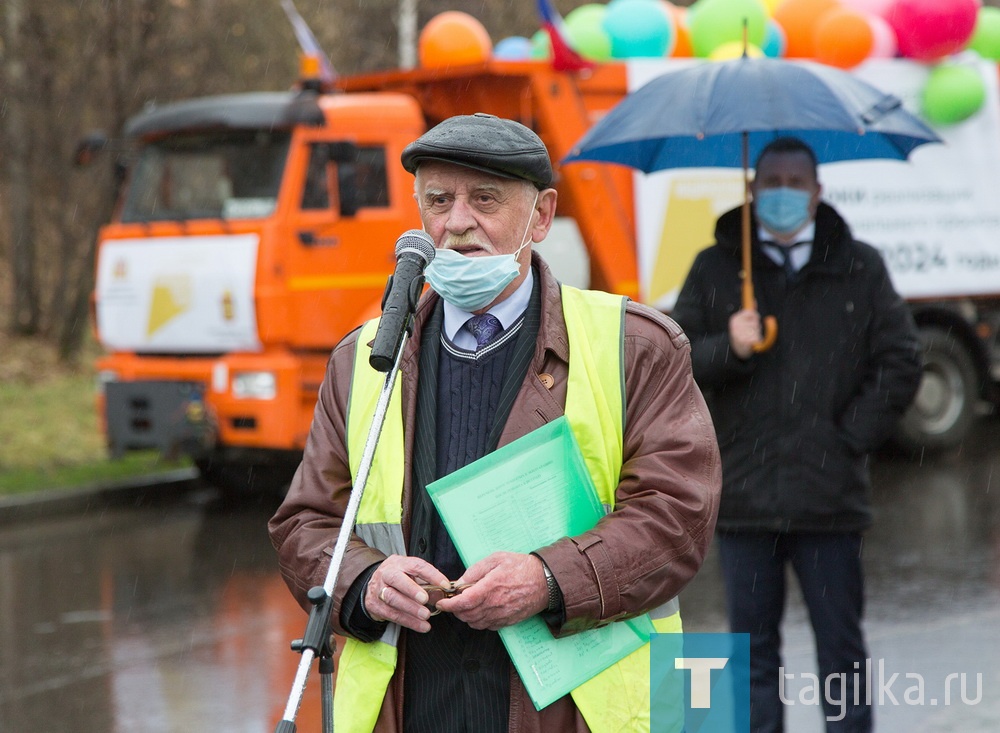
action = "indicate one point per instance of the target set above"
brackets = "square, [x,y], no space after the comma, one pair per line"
[513,48]
[774,40]
[638,28]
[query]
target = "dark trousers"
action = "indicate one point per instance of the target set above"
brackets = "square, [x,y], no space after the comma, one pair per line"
[828,568]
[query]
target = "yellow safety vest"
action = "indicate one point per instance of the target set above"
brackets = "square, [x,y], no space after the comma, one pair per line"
[617,699]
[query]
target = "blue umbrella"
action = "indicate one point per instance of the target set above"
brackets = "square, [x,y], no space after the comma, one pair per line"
[700,116]
[720,114]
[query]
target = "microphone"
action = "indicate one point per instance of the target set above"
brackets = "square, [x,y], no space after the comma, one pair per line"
[414,251]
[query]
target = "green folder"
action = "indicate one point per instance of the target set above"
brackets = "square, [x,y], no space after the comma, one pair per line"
[519,498]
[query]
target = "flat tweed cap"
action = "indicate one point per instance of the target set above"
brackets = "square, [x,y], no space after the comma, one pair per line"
[487,143]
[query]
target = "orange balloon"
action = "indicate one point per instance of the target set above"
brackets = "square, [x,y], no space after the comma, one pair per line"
[799,18]
[844,38]
[682,44]
[454,38]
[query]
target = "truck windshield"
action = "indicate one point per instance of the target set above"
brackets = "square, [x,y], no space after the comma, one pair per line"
[207,175]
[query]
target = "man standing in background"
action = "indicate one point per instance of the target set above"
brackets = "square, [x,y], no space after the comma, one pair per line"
[796,423]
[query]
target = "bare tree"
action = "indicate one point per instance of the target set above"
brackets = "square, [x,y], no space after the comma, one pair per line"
[25,313]
[92,196]
[92,66]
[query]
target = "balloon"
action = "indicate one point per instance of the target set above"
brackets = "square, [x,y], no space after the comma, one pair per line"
[929,29]
[799,19]
[872,7]
[638,28]
[585,33]
[716,22]
[541,45]
[453,38]
[682,33]
[774,40]
[513,48]
[953,93]
[884,44]
[771,5]
[986,38]
[844,38]
[734,50]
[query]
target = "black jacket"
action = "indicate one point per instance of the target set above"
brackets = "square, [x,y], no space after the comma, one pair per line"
[795,423]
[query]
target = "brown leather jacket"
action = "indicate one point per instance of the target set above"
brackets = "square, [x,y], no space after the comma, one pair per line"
[638,557]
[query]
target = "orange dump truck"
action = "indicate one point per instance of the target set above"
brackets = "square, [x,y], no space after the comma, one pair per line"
[255,230]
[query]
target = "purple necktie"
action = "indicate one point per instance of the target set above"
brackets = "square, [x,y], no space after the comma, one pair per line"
[484,327]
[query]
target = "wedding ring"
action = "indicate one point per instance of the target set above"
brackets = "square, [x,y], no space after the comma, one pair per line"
[381,594]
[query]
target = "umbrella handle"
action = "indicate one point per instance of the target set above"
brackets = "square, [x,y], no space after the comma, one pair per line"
[770,335]
[770,322]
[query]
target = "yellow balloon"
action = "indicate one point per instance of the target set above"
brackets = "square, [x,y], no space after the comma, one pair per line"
[771,5]
[733,50]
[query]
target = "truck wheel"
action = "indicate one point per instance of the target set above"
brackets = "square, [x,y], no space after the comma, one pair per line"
[246,479]
[945,405]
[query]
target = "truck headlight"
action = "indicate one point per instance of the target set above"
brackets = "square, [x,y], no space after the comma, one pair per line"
[255,385]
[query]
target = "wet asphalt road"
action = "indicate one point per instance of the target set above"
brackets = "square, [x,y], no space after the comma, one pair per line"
[171,617]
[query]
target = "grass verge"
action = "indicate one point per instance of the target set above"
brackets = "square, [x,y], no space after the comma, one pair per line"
[49,431]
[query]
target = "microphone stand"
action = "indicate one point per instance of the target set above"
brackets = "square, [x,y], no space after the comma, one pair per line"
[317,640]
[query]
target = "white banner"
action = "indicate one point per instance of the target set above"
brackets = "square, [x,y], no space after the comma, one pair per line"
[178,294]
[935,217]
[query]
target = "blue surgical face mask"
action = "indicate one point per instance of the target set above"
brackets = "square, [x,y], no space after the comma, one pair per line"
[783,210]
[471,283]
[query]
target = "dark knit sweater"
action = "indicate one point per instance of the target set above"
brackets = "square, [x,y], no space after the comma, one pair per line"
[468,393]
[455,678]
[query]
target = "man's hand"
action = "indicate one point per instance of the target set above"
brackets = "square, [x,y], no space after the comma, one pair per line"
[744,332]
[508,587]
[394,593]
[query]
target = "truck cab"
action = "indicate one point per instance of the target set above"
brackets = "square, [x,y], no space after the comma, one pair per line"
[252,233]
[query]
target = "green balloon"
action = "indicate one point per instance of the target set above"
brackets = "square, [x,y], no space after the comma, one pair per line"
[586,34]
[717,22]
[953,93]
[541,45]
[986,38]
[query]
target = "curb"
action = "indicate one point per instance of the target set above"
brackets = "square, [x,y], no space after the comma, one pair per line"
[126,492]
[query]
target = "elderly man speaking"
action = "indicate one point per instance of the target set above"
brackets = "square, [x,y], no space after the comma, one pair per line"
[498,350]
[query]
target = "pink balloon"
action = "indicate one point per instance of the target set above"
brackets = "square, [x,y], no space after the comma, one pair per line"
[884,44]
[930,29]
[872,7]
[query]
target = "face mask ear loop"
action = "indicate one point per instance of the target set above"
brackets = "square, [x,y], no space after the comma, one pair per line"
[524,237]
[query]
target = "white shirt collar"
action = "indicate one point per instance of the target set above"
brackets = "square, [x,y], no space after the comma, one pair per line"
[800,255]
[507,311]
[805,234]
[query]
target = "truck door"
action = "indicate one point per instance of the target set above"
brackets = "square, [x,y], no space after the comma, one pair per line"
[340,242]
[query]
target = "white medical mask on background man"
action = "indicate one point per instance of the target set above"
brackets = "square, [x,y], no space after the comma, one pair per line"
[783,210]
[471,283]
